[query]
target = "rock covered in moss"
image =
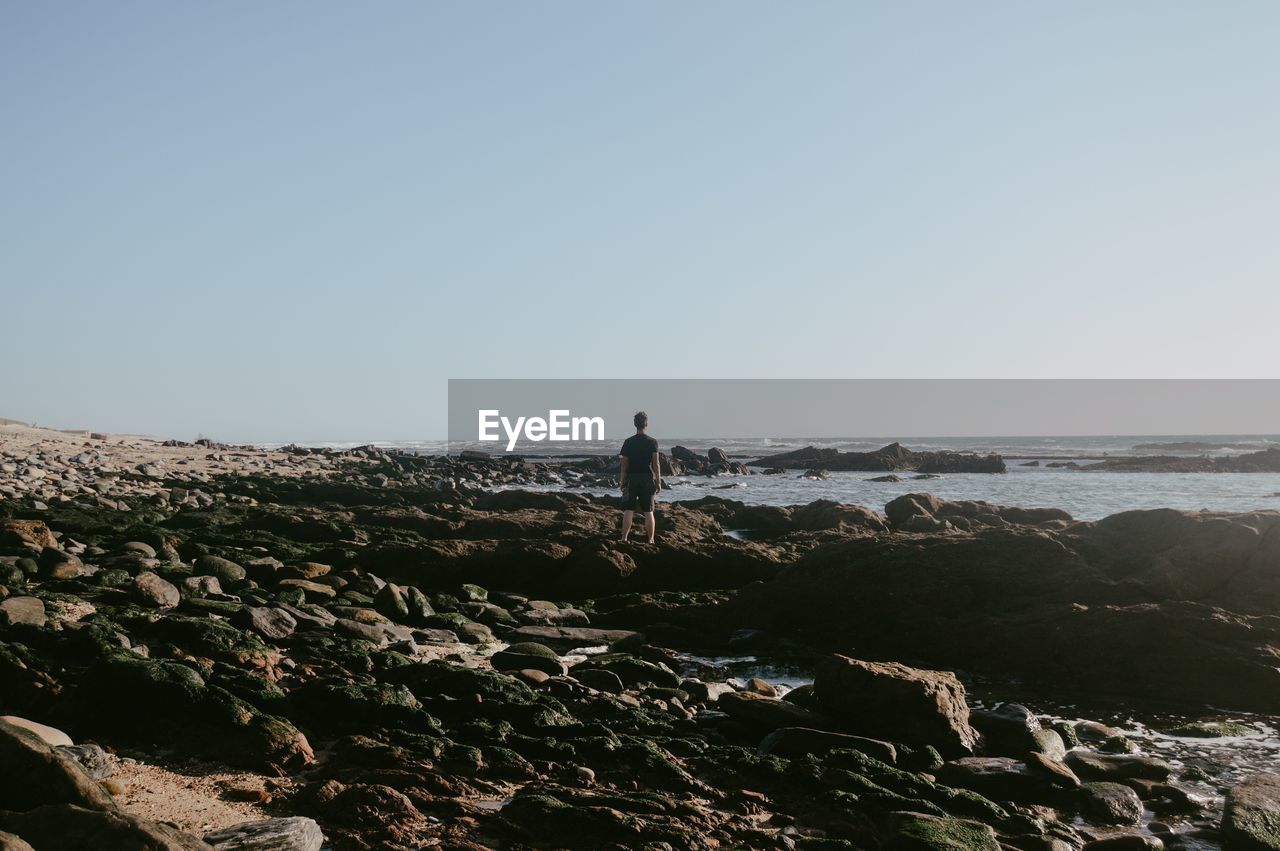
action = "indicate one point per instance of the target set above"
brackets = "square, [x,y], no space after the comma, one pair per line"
[919,832]
[1251,817]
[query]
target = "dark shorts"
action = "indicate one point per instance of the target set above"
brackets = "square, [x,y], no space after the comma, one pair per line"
[639,493]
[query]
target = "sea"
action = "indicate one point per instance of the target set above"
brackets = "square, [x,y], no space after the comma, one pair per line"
[1085,495]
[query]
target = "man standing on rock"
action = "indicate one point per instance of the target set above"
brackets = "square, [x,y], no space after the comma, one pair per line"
[641,476]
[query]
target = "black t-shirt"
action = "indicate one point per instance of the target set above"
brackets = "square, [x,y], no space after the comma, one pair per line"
[638,449]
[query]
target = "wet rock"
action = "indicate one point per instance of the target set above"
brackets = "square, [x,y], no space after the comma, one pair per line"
[1058,772]
[1094,766]
[22,610]
[634,673]
[1251,817]
[1211,729]
[151,589]
[701,692]
[1003,778]
[1126,842]
[1092,731]
[887,700]
[1111,803]
[1010,729]
[297,833]
[1166,798]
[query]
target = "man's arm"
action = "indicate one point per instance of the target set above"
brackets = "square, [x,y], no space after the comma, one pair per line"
[657,472]
[622,474]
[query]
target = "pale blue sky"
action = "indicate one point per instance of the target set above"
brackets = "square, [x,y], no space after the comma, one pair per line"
[295,220]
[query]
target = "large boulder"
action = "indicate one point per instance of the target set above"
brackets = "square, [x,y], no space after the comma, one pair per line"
[35,773]
[1251,818]
[69,826]
[888,700]
[1159,607]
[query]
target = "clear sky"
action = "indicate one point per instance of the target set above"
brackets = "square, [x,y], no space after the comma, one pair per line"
[296,220]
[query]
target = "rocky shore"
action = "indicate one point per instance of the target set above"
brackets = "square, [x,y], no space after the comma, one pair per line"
[372,650]
[1264,461]
[891,458]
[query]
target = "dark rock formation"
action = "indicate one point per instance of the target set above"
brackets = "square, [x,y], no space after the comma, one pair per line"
[1158,606]
[1264,461]
[894,457]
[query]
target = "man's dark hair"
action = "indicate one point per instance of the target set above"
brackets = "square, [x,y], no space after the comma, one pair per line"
[641,419]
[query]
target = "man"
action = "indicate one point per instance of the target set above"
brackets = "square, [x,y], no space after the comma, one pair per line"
[641,476]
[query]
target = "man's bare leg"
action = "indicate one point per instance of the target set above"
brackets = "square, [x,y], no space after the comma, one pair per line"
[650,525]
[626,524]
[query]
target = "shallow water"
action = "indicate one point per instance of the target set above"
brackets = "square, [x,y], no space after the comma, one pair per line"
[1086,496]
[1204,767]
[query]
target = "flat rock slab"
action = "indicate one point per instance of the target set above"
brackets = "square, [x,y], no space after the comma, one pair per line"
[571,637]
[25,610]
[297,833]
